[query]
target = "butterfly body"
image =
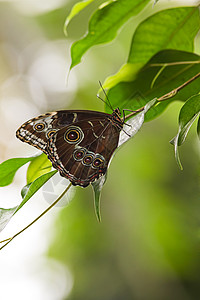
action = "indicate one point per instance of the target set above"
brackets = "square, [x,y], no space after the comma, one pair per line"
[79,143]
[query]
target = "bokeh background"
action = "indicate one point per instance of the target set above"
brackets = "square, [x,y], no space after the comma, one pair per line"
[147,245]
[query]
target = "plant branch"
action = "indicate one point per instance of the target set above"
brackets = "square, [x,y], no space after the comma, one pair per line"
[176,90]
[166,96]
[42,214]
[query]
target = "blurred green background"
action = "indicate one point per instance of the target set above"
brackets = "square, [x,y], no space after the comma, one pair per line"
[147,245]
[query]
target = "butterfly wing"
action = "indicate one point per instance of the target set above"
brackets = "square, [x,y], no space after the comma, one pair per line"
[38,130]
[81,151]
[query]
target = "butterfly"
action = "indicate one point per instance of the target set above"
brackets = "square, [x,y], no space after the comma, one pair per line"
[79,143]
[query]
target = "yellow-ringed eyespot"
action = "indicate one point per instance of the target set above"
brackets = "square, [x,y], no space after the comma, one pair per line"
[88,158]
[98,161]
[39,126]
[50,133]
[79,153]
[73,135]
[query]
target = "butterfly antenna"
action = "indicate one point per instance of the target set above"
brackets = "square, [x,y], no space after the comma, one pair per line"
[109,104]
[103,100]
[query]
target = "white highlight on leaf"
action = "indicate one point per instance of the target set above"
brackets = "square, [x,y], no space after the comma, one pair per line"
[5,216]
[54,187]
[134,124]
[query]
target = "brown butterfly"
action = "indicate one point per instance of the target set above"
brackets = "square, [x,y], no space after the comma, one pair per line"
[79,143]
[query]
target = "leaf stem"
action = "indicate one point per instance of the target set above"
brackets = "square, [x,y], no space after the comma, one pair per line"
[43,213]
[175,63]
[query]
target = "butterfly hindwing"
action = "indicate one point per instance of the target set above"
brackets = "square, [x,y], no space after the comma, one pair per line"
[81,151]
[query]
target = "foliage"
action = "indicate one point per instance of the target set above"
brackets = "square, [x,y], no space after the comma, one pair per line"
[161,58]
[149,235]
[188,114]
[104,24]
[9,168]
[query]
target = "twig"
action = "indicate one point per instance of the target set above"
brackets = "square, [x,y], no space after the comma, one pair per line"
[175,91]
[43,213]
[166,96]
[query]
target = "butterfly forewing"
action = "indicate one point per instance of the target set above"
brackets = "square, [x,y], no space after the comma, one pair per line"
[37,131]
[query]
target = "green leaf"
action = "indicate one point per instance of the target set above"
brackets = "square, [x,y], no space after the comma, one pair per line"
[5,216]
[188,114]
[97,187]
[38,166]
[76,9]
[29,190]
[104,24]
[173,28]
[9,167]
[179,68]
[151,36]
[198,128]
